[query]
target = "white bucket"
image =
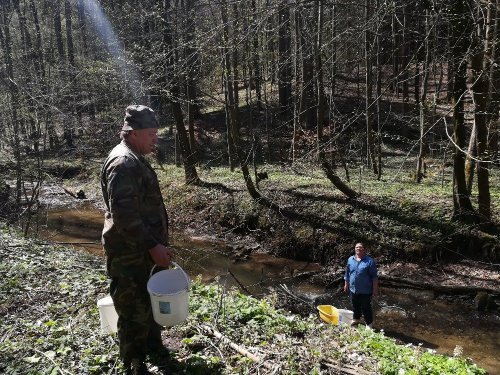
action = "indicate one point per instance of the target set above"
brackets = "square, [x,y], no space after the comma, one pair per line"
[345,316]
[169,292]
[107,315]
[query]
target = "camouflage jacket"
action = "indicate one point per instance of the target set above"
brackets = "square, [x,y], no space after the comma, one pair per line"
[135,219]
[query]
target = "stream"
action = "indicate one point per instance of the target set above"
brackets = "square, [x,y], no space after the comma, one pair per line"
[406,314]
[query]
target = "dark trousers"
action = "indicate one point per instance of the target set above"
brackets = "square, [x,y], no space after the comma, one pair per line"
[137,330]
[362,305]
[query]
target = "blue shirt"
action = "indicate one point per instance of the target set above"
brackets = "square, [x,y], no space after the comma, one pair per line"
[360,275]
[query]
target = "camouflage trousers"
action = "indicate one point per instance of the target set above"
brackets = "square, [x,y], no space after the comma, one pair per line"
[137,330]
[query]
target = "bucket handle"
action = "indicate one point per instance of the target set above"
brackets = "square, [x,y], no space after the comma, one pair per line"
[175,266]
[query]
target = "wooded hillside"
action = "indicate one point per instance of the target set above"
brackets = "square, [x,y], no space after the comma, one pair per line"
[337,84]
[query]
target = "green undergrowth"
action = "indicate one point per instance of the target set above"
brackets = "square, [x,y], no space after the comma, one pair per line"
[50,325]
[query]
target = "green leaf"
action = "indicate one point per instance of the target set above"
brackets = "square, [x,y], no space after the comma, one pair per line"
[50,354]
[32,359]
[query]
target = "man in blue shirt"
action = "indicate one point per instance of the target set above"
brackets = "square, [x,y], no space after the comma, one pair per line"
[361,281]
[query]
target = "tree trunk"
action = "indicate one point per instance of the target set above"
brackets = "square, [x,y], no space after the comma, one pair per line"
[395,50]
[193,109]
[327,168]
[370,148]
[378,91]
[420,172]
[297,96]
[417,79]
[82,25]
[451,67]
[462,27]
[321,143]
[494,78]
[480,67]
[189,163]
[235,80]
[6,43]
[404,63]
[256,65]
[56,16]
[25,34]
[227,73]
[230,144]
[69,33]
[39,62]
[307,107]
[333,59]
[233,108]
[470,161]
[284,61]
[68,125]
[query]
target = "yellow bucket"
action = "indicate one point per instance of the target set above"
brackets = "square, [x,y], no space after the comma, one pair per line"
[328,314]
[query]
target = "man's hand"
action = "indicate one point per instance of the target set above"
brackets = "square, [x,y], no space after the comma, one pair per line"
[346,287]
[161,255]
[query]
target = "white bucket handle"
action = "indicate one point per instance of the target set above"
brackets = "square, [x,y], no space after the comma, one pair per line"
[188,280]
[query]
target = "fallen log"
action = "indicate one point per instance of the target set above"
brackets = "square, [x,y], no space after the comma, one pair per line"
[444,289]
[399,282]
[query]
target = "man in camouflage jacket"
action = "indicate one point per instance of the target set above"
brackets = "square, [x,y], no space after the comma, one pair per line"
[135,235]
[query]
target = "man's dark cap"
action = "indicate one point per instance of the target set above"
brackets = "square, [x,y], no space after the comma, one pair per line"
[139,117]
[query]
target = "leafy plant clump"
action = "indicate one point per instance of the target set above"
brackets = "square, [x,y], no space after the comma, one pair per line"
[50,325]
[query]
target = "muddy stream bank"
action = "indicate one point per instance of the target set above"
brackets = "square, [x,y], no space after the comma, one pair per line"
[441,324]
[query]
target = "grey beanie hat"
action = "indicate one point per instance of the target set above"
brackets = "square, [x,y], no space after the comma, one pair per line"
[139,117]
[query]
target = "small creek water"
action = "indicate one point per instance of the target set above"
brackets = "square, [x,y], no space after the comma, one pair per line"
[409,315]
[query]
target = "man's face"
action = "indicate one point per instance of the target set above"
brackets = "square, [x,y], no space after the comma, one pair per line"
[359,249]
[144,140]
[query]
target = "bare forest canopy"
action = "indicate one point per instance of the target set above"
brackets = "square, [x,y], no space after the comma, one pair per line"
[332,83]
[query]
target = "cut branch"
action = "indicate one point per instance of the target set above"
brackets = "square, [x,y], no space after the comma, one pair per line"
[213,332]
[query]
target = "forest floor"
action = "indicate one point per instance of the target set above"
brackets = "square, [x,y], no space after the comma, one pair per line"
[407,228]
[50,325]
